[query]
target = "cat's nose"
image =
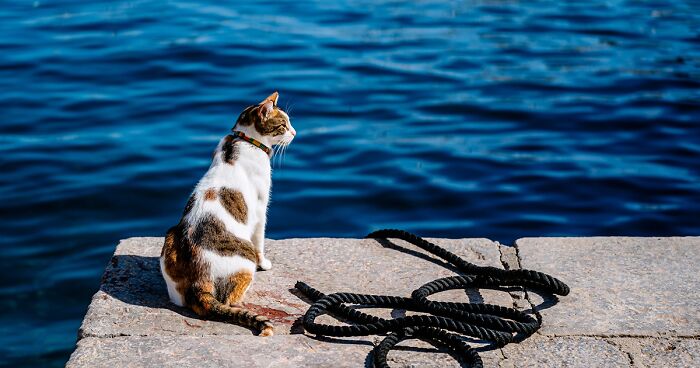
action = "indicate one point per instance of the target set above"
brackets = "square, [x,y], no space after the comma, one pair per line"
[293,131]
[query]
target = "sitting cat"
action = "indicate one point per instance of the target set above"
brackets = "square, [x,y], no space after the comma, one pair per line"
[209,259]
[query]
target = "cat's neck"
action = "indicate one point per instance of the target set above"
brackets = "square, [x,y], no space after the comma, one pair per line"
[234,151]
[252,133]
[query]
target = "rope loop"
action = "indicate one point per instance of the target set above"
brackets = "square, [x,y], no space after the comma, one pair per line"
[446,322]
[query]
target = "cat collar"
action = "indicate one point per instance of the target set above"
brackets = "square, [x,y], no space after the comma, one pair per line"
[253,141]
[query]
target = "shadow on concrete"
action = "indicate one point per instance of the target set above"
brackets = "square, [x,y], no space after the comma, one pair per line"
[473,295]
[386,243]
[137,280]
[548,300]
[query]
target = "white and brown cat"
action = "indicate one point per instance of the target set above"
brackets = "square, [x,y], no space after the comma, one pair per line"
[209,259]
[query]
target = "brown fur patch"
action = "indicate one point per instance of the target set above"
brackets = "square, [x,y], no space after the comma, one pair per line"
[200,297]
[210,233]
[234,203]
[210,194]
[223,288]
[178,259]
[189,205]
[239,284]
[230,149]
[248,116]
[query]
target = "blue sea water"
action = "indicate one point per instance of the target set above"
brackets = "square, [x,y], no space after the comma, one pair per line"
[497,119]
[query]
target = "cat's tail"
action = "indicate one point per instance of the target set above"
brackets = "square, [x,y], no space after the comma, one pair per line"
[208,306]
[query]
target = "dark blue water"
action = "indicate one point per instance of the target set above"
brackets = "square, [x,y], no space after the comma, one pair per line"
[493,119]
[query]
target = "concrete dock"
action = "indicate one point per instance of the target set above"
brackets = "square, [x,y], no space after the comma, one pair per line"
[633,303]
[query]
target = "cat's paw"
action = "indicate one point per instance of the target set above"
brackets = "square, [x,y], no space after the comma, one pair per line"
[265,264]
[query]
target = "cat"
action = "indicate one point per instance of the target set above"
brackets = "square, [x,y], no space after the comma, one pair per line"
[210,257]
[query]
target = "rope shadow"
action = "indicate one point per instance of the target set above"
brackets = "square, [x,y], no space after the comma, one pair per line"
[473,295]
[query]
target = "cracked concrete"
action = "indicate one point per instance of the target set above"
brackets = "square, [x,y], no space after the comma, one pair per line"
[622,349]
[632,305]
[510,261]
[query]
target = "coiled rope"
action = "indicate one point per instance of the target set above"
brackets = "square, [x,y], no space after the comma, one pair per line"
[446,321]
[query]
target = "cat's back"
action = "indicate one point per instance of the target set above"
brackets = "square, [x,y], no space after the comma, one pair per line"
[234,187]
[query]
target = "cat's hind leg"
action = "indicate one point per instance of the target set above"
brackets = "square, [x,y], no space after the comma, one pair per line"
[238,285]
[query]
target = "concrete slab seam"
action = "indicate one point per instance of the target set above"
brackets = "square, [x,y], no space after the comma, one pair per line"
[507,258]
[506,262]
[527,296]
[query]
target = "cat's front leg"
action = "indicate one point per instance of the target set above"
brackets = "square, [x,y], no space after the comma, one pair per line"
[258,240]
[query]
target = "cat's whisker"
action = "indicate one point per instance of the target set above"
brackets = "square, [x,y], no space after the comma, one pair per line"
[284,151]
[280,148]
[285,144]
[277,157]
[276,154]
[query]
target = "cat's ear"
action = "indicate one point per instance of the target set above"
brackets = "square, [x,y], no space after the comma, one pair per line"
[264,109]
[273,97]
[267,105]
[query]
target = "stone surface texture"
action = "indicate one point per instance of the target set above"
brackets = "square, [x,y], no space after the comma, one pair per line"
[619,286]
[633,304]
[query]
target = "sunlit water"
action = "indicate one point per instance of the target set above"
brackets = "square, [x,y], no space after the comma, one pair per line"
[492,119]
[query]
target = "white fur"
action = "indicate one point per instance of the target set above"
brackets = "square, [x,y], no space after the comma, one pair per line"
[175,296]
[224,266]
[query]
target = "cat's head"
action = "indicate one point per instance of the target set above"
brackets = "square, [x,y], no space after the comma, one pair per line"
[270,122]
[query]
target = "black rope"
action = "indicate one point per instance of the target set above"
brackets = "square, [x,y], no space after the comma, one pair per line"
[446,321]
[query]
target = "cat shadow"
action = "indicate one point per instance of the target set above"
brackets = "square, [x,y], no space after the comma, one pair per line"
[136,280]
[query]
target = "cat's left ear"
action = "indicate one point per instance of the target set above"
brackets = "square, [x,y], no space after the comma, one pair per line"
[267,105]
[273,97]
